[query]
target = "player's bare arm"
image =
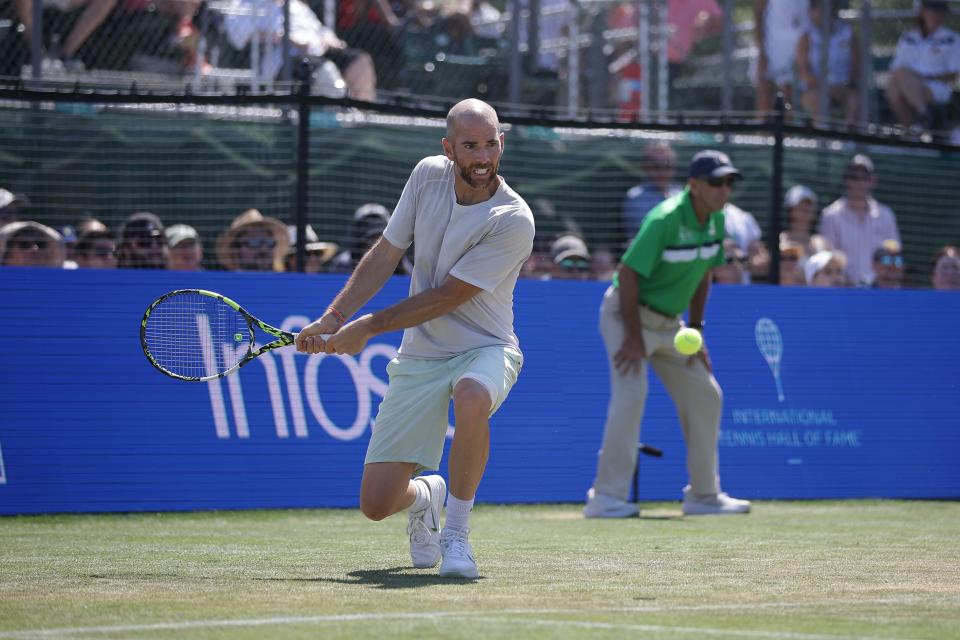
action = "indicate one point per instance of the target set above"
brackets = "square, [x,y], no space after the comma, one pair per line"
[698,305]
[373,271]
[633,351]
[424,306]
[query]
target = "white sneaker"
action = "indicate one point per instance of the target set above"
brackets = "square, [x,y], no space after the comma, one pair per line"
[604,506]
[458,559]
[424,526]
[715,505]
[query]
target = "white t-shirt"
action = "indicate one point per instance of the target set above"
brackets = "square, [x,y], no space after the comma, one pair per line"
[935,55]
[483,244]
[783,23]
[857,236]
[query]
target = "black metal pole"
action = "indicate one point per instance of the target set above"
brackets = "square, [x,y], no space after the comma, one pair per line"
[303,161]
[776,189]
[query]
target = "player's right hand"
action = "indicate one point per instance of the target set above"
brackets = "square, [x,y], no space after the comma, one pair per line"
[632,352]
[312,338]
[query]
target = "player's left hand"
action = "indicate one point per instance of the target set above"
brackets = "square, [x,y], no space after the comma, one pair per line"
[351,338]
[703,356]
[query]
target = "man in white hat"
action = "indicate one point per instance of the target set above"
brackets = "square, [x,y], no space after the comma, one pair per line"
[186,248]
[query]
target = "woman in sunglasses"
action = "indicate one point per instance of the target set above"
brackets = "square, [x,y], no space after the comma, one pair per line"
[253,242]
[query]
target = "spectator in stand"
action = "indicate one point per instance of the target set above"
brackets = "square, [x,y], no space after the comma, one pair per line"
[925,67]
[94,13]
[254,242]
[778,25]
[571,258]
[843,64]
[689,22]
[734,269]
[550,225]
[318,253]
[945,271]
[857,224]
[888,265]
[26,243]
[141,243]
[792,259]
[309,38]
[375,26]
[186,35]
[186,248]
[97,250]
[742,227]
[369,221]
[603,264]
[826,269]
[659,167]
[800,204]
[11,206]
[485,19]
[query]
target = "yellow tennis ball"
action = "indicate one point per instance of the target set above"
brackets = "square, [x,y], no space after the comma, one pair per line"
[688,341]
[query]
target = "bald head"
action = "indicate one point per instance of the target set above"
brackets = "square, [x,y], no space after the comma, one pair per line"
[470,111]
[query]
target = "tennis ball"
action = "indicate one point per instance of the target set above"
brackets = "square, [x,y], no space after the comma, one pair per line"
[688,341]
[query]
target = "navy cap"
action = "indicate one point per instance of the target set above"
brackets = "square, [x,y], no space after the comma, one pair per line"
[712,164]
[936,6]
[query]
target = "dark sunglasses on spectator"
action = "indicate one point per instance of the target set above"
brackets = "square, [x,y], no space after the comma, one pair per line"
[575,264]
[888,260]
[145,242]
[257,243]
[102,252]
[26,243]
[858,175]
[738,259]
[721,182]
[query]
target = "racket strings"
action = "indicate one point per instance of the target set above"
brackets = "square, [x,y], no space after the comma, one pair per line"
[194,335]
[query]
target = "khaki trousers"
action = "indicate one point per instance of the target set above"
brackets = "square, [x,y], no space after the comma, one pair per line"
[692,388]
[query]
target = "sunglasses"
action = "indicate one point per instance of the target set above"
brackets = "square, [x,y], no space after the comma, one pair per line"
[858,175]
[102,252]
[29,244]
[725,181]
[257,243]
[145,242]
[573,264]
[889,260]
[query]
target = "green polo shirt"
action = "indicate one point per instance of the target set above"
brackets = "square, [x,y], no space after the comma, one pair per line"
[672,252]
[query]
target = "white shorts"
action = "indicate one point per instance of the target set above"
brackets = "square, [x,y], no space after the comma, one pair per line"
[411,423]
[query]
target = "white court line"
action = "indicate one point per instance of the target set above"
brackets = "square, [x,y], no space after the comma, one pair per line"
[66,632]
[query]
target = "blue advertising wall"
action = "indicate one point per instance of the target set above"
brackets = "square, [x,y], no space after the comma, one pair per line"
[868,402]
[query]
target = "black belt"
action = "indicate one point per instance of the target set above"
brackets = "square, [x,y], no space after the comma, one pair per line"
[671,316]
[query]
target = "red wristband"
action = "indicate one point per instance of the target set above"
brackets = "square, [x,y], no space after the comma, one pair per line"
[336,314]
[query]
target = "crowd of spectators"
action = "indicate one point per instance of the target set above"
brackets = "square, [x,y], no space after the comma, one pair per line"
[402,45]
[856,242]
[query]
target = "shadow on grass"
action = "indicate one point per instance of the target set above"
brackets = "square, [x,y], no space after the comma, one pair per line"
[392,578]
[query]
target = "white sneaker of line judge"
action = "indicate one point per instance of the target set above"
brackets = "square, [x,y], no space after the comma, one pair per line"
[713,505]
[600,505]
[423,526]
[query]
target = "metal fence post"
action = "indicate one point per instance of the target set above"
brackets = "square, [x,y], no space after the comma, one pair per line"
[776,189]
[303,161]
[36,41]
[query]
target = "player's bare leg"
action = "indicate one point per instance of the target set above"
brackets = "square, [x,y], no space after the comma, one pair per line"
[386,488]
[468,459]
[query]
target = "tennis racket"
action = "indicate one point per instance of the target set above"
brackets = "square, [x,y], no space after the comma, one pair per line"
[197,335]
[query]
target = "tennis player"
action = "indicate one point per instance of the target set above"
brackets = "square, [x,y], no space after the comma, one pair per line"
[472,233]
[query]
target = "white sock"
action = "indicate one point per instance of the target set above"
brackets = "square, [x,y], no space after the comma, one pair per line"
[422,501]
[458,513]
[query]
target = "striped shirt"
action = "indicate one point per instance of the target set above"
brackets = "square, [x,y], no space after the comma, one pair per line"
[858,235]
[936,55]
[672,252]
